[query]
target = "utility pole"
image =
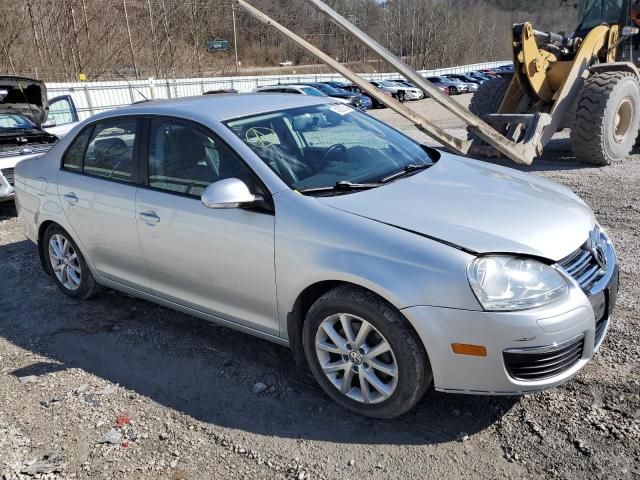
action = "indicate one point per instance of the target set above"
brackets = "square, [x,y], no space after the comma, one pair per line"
[133,55]
[235,37]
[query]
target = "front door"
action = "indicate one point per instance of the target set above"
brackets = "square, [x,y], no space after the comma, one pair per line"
[219,262]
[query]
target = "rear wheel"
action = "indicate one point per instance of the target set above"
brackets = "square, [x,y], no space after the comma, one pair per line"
[364,354]
[67,265]
[607,118]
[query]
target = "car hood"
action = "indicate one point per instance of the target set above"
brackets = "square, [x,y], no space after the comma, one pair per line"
[479,207]
[24,96]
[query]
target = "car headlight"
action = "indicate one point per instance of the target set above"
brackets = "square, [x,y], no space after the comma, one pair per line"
[503,283]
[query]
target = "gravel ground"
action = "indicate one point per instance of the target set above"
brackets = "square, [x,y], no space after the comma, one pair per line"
[117,387]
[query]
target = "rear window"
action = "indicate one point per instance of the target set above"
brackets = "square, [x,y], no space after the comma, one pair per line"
[73,158]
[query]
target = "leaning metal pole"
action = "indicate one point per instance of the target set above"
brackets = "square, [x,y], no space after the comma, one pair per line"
[460,146]
[523,152]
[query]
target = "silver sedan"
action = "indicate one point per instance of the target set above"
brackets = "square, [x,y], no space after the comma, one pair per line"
[385,265]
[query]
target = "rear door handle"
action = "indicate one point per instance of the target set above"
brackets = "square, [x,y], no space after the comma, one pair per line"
[149,217]
[71,198]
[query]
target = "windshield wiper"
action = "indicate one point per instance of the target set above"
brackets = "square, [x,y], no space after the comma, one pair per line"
[341,186]
[408,170]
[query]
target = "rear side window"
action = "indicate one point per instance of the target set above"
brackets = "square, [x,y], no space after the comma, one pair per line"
[110,151]
[73,157]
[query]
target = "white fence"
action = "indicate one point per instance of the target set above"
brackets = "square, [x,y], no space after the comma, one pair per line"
[94,97]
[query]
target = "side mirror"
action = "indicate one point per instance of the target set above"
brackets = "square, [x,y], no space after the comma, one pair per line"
[228,193]
[51,122]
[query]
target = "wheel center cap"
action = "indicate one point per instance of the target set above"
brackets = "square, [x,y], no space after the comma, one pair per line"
[355,358]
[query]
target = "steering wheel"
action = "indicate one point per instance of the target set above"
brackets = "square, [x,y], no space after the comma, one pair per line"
[333,149]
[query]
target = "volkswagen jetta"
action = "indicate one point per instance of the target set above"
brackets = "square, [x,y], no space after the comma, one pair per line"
[384,264]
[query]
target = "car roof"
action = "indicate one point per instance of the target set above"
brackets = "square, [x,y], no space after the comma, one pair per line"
[218,107]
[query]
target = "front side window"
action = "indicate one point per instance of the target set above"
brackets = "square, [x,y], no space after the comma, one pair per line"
[110,151]
[184,158]
[321,145]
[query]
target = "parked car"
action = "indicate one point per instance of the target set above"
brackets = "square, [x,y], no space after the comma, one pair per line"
[471,83]
[455,87]
[415,92]
[335,84]
[374,102]
[481,77]
[286,63]
[29,125]
[294,89]
[400,92]
[393,90]
[358,101]
[394,267]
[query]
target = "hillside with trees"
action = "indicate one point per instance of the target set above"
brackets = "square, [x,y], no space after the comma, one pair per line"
[58,40]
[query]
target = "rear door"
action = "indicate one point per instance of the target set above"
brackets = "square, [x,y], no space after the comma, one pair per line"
[220,262]
[97,188]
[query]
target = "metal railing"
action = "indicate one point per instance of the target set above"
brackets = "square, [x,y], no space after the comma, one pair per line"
[94,97]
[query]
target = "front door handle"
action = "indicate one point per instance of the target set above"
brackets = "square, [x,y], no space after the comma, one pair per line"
[149,217]
[71,198]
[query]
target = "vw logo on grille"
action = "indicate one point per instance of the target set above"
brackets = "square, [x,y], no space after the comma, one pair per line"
[597,248]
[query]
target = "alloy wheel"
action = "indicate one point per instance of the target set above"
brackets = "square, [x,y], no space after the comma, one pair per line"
[64,262]
[356,358]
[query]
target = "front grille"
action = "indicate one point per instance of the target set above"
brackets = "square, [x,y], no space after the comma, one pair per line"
[582,266]
[29,149]
[543,362]
[7,173]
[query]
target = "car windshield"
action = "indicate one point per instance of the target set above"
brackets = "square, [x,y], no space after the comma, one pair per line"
[312,91]
[387,83]
[320,146]
[13,121]
[328,89]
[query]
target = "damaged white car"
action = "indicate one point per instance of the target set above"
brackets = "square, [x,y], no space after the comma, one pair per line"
[29,125]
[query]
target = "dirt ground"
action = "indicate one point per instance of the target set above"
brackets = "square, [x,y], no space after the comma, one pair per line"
[120,388]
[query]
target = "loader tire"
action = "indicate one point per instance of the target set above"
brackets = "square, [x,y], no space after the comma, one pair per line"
[607,118]
[487,99]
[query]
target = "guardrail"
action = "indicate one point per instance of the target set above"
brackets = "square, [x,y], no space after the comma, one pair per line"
[94,97]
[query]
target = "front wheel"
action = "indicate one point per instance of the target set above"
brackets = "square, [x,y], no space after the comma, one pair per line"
[364,354]
[607,118]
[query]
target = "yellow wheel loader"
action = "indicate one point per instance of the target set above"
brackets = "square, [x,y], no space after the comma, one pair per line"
[586,82]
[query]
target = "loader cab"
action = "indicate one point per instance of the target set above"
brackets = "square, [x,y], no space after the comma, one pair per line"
[592,13]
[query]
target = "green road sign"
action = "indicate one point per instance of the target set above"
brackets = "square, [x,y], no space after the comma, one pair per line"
[217,45]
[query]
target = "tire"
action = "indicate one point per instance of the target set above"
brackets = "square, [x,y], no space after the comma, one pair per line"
[453,91]
[406,355]
[607,118]
[74,278]
[487,99]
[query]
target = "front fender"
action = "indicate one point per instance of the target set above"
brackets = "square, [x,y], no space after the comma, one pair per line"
[316,243]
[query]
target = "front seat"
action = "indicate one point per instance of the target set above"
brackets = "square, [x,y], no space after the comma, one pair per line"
[187,158]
